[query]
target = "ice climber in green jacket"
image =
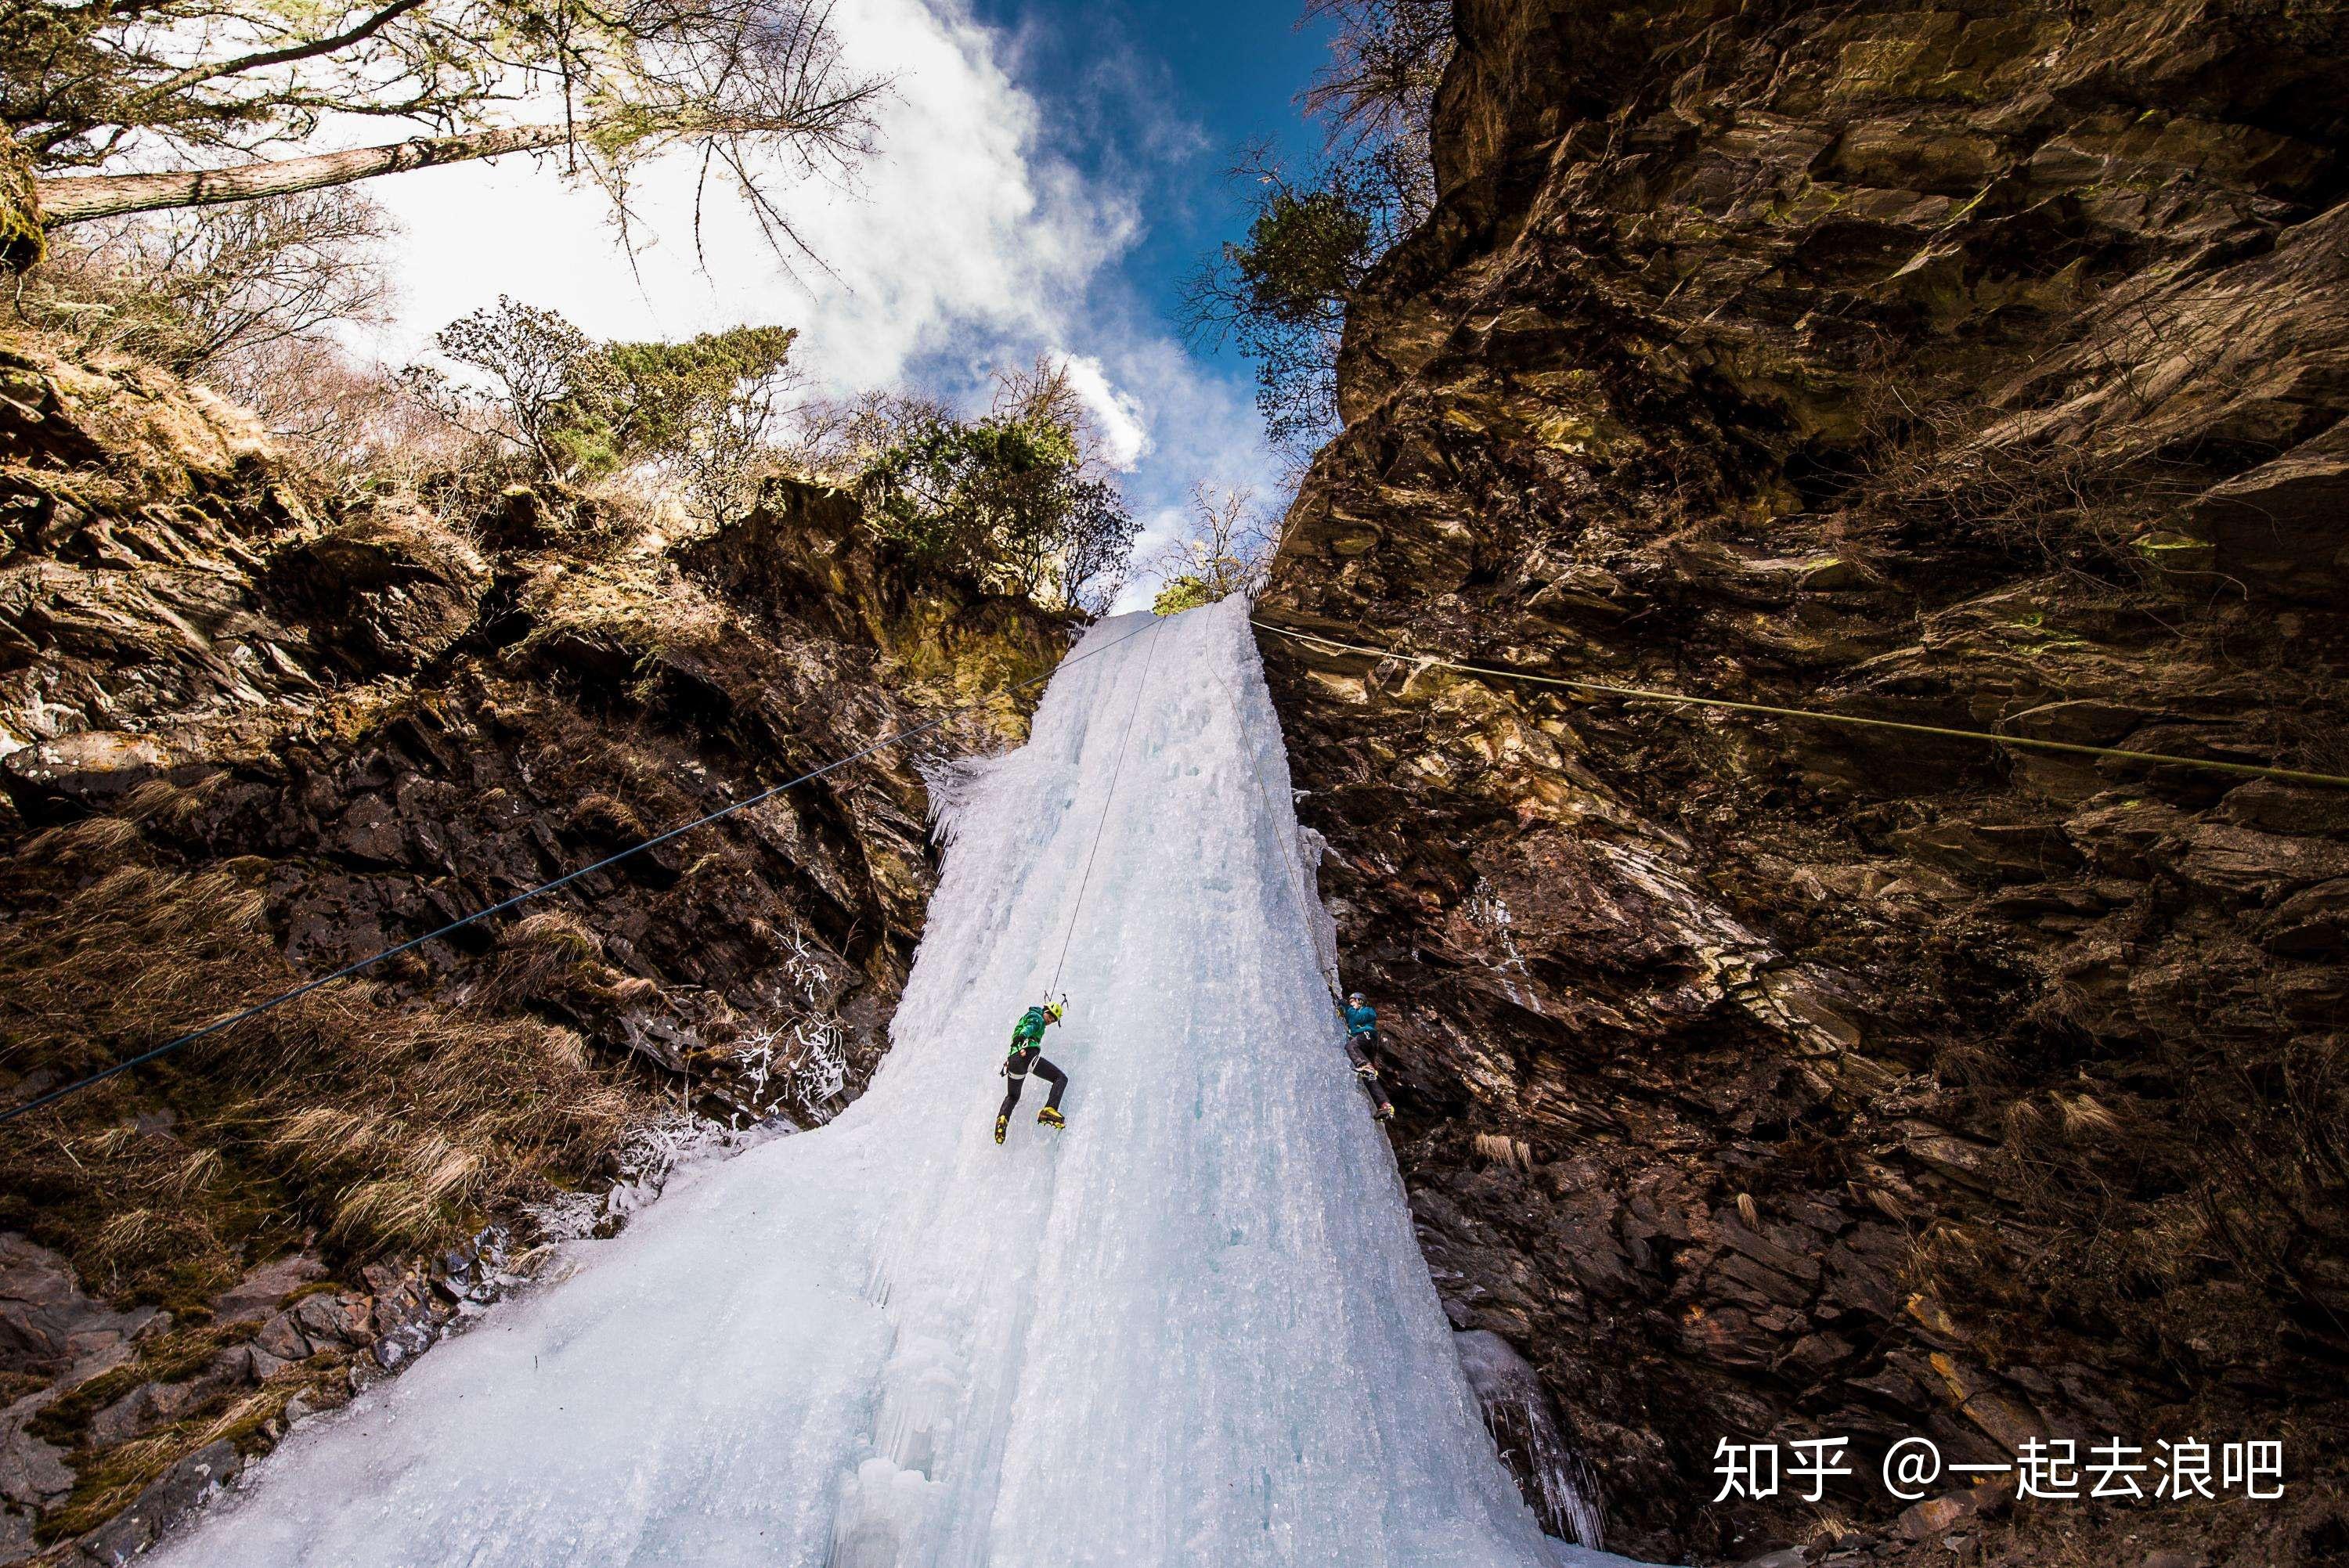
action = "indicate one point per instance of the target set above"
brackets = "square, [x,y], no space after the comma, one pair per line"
[1027,1057]
[1361,1039]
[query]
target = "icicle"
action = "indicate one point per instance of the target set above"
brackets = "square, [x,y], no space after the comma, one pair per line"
[1524,1427]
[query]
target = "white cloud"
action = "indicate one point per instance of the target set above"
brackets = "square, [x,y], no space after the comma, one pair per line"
[969,242]
[962,233]
[1124,426]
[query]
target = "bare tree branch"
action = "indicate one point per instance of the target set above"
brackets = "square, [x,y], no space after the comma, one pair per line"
[202,93]
[195,76]
[81,198]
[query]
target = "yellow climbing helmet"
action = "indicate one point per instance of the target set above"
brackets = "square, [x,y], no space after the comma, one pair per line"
[1053,1010]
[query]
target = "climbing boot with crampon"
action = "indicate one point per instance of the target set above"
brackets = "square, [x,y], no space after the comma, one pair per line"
[1002,1125]
[1051,1118]
[1385,1113]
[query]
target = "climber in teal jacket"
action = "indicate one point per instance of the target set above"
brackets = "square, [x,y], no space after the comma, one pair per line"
[1026,1057]
[1361,1039]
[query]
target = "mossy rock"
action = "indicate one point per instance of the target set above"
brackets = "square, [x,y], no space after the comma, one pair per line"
[23,240]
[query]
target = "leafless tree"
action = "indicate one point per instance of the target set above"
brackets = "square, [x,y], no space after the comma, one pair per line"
[265,272]
[203,95]
[831,439]
[200,291]
[1377,93]
[526,367]
[351,421]
[731,447]
[1228,552]
[1043,390]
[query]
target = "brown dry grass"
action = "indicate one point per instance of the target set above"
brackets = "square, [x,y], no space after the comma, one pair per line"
[628,600]
[554,958]
[1935,462]
[1496,1149]
[346,1114]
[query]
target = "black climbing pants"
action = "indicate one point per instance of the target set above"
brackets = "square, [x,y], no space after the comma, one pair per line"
[1359,1046]
[1017,1071]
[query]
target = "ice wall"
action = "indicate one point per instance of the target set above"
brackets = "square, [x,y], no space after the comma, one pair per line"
[1193,1327]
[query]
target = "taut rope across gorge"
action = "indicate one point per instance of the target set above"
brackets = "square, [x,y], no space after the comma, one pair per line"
[348,969]
[1642,694]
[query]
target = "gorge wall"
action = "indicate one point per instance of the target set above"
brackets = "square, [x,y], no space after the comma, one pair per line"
[251,731]
[1975,364]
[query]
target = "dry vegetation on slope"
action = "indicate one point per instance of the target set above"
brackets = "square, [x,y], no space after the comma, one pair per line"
[255,729]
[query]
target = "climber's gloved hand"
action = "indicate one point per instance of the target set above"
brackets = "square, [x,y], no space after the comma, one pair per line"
[1366,1071]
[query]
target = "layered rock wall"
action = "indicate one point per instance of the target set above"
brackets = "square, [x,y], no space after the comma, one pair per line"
[1980,366]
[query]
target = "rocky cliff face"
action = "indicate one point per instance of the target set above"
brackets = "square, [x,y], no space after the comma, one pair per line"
[1982,366]
[250,735]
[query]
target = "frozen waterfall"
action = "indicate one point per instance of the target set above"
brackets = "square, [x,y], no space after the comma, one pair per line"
[1194,1327]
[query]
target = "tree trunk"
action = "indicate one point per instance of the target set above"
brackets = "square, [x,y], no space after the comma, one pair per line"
[78,198]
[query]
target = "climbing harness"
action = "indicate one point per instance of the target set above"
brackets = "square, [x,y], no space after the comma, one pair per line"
[348,969]
[1424,661]
[1107,801]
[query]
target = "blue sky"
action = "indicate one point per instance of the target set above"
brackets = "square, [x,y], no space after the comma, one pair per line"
[1170,92]
[1049,172]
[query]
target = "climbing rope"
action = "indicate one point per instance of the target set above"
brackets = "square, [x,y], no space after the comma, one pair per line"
[2246,769]
[349,970]
[1110,799]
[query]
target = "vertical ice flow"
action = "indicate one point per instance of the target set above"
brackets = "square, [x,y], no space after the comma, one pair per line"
[1193,1327]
